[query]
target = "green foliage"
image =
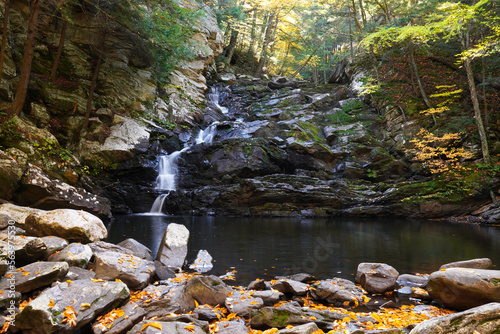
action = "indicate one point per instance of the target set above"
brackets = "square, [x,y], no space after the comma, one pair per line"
[166,27]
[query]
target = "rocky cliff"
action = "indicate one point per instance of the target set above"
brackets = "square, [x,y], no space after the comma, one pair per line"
[46,142]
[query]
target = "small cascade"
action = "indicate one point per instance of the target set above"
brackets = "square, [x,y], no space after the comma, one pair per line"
[166,181]
[167,172]
[158,204]
[214,97]
[207,135]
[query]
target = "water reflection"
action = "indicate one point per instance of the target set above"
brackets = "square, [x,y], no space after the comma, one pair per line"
[265,247]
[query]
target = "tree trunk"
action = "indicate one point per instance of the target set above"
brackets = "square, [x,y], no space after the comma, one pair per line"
[477,111]
[251,50]
[29,49]
[305,63]
[59,51]
[93,84]
[4,35]
[419,81]
[385,9]
[265,45]
[232,45]
[355,14]
[363,13]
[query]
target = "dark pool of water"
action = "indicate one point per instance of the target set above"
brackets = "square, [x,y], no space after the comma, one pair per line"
[266,247]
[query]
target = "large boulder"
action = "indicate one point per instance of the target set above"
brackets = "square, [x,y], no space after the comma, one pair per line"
[209,290]
[483,319]
[376,277]
[18,213]
[43,192]
[72,225]
[242,303]
[173,247]
[75,254]
[483,263]
[126,140]
[26,249]
[34,276]
[463,288]
[82,301]
[165,327]
[338,291]
[133,271]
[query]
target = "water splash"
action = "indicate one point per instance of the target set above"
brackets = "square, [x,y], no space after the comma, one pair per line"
[167,172]
[158,204]
[207,135]
[214,97]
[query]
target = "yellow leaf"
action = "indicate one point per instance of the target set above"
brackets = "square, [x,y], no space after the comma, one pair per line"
[84,305]
[26,273]
[254,302]
[196,304]
[153,324]
[51,303]
[190,328]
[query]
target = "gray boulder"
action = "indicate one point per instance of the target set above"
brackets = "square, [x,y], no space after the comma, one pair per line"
[137,249]
[76,273]
[26,249]
[173,247]
[376,277]
[75,254]
[293,287]
[133,271]
[309,328]
[203,262]
[18,213]
[278,317]
[72,225]
[132,314]
[39,190]
[464,288]
[34,276]
[51,310]
[53,244]
[209,290]
[242,303]
[164,327]
[231,327]
[338,291]
[484,319]
[483,263]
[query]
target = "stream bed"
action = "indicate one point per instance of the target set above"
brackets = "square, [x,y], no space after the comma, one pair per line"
[332,247]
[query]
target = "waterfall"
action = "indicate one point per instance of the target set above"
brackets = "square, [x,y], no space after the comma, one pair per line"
[167,165]
[207,135]
[158,204]
[167,172]
[214,97]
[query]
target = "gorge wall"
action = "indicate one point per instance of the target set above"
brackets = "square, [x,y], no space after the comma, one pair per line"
[43,150]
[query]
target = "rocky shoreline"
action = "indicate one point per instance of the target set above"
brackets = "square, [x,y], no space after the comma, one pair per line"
[59,276]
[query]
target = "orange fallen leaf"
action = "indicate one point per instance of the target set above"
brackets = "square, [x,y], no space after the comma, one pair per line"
[69,316]
[51,303]
[153,324]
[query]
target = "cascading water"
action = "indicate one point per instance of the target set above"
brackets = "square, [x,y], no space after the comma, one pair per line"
[214,97]
[207,135]
[167,172]
[167,166]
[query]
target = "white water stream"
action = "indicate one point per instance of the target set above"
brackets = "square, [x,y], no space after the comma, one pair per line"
[167,165]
